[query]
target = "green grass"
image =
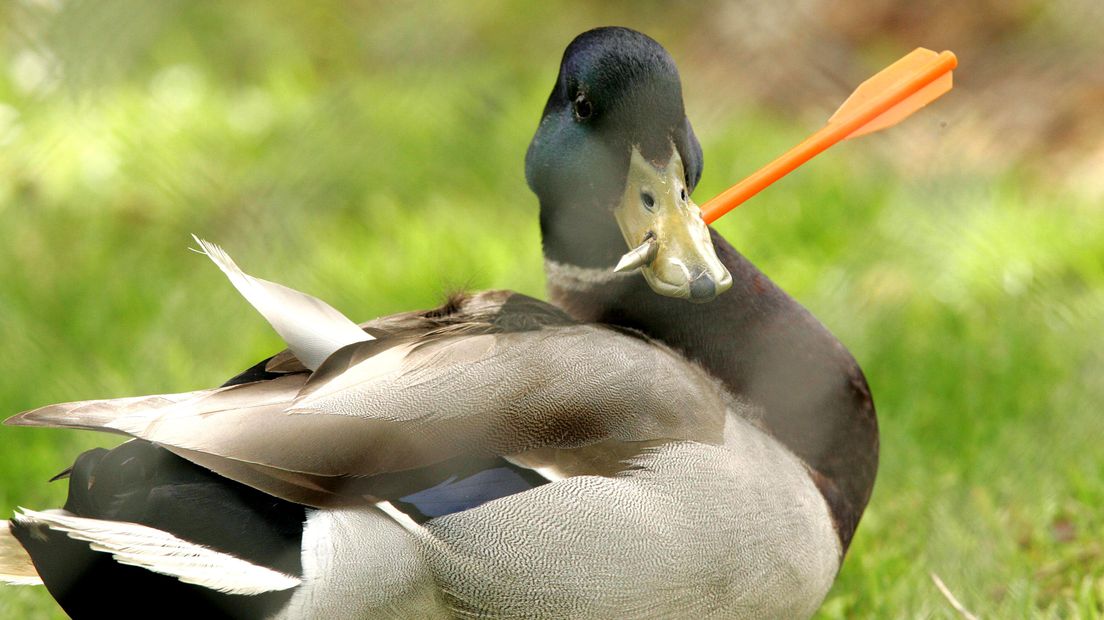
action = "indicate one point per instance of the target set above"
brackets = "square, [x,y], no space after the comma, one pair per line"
[972,300]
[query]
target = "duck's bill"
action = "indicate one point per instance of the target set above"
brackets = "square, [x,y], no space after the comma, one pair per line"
[669,241]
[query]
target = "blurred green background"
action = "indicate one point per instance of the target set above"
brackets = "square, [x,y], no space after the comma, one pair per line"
[371,153]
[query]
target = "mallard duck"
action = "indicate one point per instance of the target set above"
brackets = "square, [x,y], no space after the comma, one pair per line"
[673,438]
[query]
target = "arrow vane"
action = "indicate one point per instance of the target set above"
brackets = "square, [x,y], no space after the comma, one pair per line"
[887,98]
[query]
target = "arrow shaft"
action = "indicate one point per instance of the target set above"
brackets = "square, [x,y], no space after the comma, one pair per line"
[825,137]
[786,163]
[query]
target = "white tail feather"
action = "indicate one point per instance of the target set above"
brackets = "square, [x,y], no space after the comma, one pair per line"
[16,568]
[165,554]
[312,329]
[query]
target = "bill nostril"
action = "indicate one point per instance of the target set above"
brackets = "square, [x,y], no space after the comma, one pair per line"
[703,287]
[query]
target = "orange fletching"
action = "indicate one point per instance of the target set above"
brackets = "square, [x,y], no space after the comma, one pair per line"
[884,100]
[899,71]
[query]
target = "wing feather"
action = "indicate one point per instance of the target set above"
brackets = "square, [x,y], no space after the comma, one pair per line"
[312,329]
[99,414]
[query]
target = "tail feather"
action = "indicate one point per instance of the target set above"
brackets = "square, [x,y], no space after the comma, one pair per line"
[163,553]
[16,567]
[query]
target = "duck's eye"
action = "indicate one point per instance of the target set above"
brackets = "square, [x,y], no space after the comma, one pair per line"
[682,194]
[648,200]
[583,107]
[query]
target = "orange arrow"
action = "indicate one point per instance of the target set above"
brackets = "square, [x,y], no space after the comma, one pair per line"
[882,101]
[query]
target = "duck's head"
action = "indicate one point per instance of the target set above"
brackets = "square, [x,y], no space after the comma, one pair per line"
[614,162]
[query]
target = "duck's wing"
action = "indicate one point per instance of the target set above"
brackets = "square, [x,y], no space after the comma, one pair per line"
[398,404]
[494,374]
